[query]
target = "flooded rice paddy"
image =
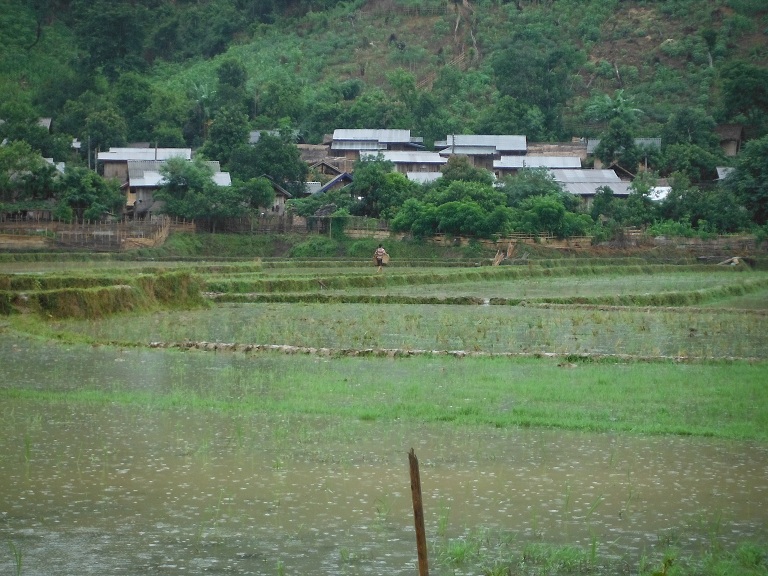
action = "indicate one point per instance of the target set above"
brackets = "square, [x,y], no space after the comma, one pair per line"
[96,488]
[650,332]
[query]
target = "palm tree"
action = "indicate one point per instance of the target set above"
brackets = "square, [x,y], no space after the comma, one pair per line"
[603,108]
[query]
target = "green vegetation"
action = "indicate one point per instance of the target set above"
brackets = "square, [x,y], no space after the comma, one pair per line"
[94,297]
[654,345]
[635,397]
[109,75]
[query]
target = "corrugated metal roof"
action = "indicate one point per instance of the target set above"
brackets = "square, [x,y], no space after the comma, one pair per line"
[587,175]
[538,162]
[506,142]
[423,177]
[343,177]
[125,154]
[723,172]
[590,188]
[468,151]
[147,174]
[357,145]
[404,157]
[146,179]
[222,179]
[659,193]
[255,135]
[312,187]
[383,136]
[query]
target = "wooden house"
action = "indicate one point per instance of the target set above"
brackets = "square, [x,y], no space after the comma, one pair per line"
[145,178]
[585,183]
[350,144]
[281,197]
[326,167]
[731,137]
[482,149]
[509,165]
[114,163]
[415,161]
[341,181]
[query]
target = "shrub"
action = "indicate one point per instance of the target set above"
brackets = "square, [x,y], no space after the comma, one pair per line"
[316,248]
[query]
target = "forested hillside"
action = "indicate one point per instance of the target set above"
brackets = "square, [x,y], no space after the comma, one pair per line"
[202,73]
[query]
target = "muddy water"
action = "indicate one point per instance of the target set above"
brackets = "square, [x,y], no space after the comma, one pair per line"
[97,489]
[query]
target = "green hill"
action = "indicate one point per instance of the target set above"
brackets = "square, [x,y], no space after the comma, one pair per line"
[436,67]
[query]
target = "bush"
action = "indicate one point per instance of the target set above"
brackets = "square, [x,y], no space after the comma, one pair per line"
[317,248]
[363,248]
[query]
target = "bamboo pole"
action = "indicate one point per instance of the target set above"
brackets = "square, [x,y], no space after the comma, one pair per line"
[418,514]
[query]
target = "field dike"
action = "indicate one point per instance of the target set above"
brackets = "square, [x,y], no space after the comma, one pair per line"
[99,296]
[343,282]
[678,298]
[569,358]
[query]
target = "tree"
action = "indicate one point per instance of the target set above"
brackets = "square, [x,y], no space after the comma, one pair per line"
[229,130]
[21,123]
[133,97]
[308,206]
[603,204]
[694,161]
[375,109]
[749,181]
[273,156]
[232,91]
[711,209]
[617,145]
[167,113]
[369,184]
[24,174]
[542,214]
[484,195]
[507,115]
[691,126]
[88,195]
[459,168]
[535,71]
[745,94]
[603,108]
[105,128]
[529,182]
[256,192]
[189,192]
[111,34]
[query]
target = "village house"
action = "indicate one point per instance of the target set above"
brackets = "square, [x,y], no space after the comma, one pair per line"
[416,161]
[350,144]
[145,178]
[509,165]
[114,163]
[731,138]
[576,147]
[585,183]
[325,167]
[482,149]
[340,181]
[281,197]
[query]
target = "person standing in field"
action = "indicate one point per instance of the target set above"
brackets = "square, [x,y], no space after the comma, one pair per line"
[379,255]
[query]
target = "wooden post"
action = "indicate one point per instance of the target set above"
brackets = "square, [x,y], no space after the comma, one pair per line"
[418,514]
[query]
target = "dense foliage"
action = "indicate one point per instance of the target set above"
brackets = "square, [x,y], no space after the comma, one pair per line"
[207,74]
